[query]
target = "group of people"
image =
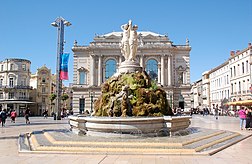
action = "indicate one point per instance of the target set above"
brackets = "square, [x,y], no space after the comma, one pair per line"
[13,114]
[245,115]
[4,114]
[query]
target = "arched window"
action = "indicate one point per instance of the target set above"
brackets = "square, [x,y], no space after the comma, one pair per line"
[152,69]
[110,68]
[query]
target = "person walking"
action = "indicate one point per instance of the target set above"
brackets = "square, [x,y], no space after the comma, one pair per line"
[45,113]
[242,116]
[3,117]
[216,112]
[13,116]
[27,114]
[248,119]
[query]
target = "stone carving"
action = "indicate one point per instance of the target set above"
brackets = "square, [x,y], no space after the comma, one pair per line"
[123,97]
[129,41]
[132,94]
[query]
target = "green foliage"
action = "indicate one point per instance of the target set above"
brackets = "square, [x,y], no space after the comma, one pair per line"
[145,98]
[64,97]
[52,97]
[154,85]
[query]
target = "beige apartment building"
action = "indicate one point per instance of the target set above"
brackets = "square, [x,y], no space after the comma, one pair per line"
[15,85]
[228,82]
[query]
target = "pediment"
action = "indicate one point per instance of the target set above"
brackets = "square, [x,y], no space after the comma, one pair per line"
[180,68]
[111,37]
[149,36]
[82,69]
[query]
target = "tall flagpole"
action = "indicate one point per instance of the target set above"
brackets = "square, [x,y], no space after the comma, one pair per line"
[59,23]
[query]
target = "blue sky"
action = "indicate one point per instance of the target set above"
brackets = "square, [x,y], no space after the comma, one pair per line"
[213,27]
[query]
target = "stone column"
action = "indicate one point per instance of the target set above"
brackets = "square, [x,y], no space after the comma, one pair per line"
[169,69]
[120,60]
[99,71]
[142,61]
[103,73]
[162,70]
[92,68]
[159,73]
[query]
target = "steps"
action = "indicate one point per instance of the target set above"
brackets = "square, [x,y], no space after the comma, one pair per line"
[203,142]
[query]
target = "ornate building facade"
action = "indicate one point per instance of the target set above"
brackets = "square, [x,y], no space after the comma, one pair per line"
[15,85]
[43,83]
[165,62]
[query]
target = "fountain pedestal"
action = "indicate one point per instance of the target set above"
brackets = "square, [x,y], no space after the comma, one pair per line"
[129,66]
[128,126]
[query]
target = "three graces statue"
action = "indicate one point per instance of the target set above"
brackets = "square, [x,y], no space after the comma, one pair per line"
[129,41]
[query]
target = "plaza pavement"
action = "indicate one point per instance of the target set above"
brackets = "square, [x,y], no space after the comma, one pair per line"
[239,153]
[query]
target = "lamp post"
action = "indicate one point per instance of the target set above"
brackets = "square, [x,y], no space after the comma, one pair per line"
[59,23]
[91,95]
[170,94]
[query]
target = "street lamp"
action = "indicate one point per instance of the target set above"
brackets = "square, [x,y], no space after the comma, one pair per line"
[91,95]
[170,94]
[59,23]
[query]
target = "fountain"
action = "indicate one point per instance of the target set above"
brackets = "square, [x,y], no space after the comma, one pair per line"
[129,113]
[130,103]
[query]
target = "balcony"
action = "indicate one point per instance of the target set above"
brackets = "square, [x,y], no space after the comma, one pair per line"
[24,98]
[8,87]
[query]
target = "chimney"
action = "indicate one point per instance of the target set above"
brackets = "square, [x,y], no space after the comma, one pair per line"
[249,45]
[237,51]
[232,53]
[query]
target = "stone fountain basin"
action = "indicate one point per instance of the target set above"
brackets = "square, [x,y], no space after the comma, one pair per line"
[128,126]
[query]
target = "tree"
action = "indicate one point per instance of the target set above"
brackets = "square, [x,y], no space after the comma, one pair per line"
[64,97]
[52,97]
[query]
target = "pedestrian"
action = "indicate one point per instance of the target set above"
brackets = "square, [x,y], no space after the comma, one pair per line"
[3,117]
[242,116]
[216,112]
[13,116]
[27,114]
[45,113]
[248,119]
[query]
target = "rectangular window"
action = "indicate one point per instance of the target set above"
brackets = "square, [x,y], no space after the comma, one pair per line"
[1,82]
[1,95]
[23,67]
[11,82]
[247,66]
[82,105]
[11,95]
[23,82]
[243,70]
[43,89]
[1,67]
[82,78]
[11,67]
[43,100]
